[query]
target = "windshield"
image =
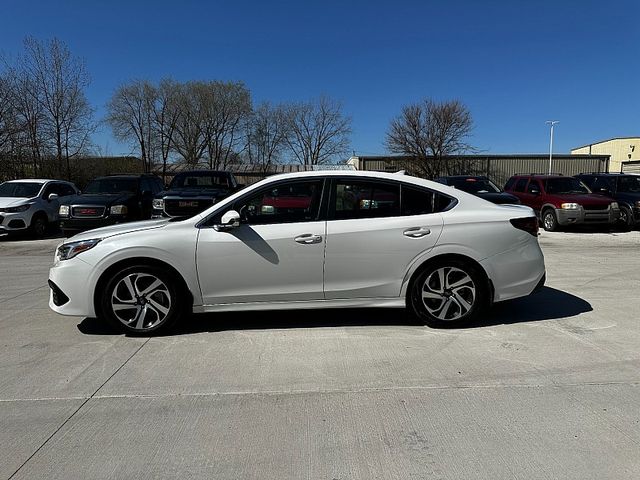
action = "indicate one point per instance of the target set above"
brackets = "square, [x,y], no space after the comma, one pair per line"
[200,180]
[630,184]
[20,189]
[475,185]
[565,185]
[112,185]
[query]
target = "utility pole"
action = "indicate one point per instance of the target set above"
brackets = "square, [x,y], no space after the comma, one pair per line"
[552,123]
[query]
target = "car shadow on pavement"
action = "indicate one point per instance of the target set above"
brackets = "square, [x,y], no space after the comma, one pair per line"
[547,304]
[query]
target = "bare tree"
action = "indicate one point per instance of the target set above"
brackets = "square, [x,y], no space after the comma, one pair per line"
[165,118]
[130,113]
[226,107]
[267,135]
[428,131]
[57,81]
[189,140]
[319,132]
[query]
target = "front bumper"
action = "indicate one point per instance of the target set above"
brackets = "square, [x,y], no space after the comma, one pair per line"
[578,216]
[14,222]
[82,224]
[72,280]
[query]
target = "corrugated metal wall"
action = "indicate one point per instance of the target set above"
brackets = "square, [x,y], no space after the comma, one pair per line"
[497,168]
[631,167]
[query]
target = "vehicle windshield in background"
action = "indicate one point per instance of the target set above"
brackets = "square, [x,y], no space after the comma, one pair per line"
[629,184]
[19,189]
[565,185]
[112,185]
[199,180]
[475,185]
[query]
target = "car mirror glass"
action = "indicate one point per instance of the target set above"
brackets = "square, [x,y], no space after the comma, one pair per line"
[52,196]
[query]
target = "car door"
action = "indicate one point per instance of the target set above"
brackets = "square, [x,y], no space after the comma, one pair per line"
[51,206]
[375,230]
[277,252]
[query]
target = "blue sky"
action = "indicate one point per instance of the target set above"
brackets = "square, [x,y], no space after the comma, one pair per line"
[514,64]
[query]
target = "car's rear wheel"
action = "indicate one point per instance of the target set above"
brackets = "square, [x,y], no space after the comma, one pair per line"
[549,220]
[142,299]
[449,293]
[39,225]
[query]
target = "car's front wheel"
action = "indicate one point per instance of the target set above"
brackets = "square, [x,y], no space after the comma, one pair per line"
[449,293]
[626,217]
[549,220]
[141,299]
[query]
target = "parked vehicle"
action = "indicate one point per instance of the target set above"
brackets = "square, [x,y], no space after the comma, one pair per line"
[192,192]
[479,186]
[443,253]
[109,200]
[561,201]
[624,188]
[32,204]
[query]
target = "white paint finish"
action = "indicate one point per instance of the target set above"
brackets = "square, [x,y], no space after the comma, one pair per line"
[260,263]
[369,257]
[250,265]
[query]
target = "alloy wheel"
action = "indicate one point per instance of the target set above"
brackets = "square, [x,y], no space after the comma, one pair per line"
[141,301]
[448,293]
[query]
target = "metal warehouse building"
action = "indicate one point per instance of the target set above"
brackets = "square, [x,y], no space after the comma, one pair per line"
[497,167]
[624,152]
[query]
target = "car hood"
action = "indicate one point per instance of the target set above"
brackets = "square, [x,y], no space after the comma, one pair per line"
[194,193]
[12,201]
[119,229]
[499,198]
[585,198]
[97,199]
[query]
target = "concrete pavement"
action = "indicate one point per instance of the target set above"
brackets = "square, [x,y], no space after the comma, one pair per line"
[544,387]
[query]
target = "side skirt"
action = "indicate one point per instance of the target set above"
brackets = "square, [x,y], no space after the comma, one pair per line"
[395,302]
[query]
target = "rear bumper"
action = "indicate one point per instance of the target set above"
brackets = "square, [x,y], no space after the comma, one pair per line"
[517,272]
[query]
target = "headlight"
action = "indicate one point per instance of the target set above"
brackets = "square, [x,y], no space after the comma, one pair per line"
[158,203]
[118,210]
[21,208]
[64,210]
[70,250]
[614,205]
[570,206]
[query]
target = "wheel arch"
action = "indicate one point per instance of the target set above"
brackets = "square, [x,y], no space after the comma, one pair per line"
[139,260]
[408,284]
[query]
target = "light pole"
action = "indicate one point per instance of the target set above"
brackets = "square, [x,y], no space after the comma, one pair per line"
[552,123]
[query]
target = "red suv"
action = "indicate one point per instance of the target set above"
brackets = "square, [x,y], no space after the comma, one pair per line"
[561,201]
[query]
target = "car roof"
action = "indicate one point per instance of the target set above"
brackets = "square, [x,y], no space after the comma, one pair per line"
[34,180]
[201,172]
[465,176]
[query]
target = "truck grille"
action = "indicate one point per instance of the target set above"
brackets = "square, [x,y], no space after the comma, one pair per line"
[186,207]
[596,207]
[87,211]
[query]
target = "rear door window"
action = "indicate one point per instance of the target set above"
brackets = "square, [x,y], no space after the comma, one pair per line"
[365,199]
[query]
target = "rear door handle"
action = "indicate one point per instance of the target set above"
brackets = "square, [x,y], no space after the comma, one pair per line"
[416,232]
[308,238]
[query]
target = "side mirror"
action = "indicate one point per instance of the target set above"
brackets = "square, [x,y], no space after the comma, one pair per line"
[229,220]
[605,191]
[52,196]
[535,192]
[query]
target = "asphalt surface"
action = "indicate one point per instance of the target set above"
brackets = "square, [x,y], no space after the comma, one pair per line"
[544,387]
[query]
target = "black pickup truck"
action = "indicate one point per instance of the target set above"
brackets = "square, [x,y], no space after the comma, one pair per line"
[189,193]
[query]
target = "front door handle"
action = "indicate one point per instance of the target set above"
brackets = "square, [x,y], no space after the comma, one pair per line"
[416,232]
[308,238]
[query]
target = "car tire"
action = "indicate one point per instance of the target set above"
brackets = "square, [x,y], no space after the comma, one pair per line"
[549,220]
[626,217]
[142,300]
[39,225]
[449,293]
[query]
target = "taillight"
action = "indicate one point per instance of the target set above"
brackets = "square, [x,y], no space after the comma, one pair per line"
[528,224]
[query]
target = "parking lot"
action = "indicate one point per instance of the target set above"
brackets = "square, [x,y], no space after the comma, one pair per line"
[545,387]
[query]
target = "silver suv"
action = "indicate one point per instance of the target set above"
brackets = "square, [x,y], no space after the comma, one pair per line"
[31,204]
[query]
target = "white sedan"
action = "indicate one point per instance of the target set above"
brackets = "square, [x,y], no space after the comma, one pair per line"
[307,240]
